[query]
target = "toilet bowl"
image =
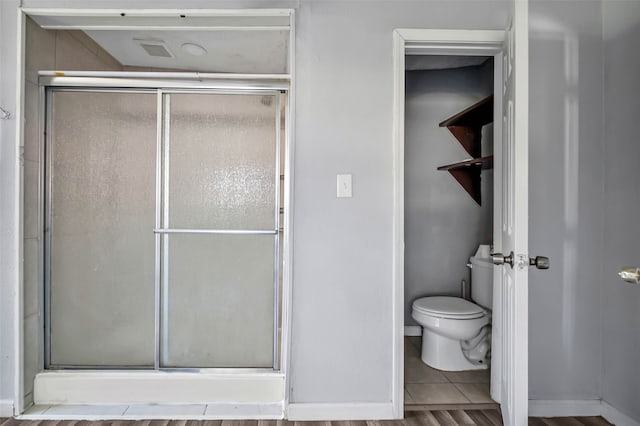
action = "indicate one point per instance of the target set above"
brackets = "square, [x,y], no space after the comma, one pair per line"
[455,334]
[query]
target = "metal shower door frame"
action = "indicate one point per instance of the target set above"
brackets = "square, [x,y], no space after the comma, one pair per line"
[163,91]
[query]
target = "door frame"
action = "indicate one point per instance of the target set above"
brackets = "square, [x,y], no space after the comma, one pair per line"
[84,19]
[429,42]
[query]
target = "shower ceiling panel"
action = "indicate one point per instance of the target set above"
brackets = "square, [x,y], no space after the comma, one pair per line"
[255,51]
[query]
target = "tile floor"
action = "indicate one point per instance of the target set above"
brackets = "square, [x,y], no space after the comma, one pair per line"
[151,411]
[424,385]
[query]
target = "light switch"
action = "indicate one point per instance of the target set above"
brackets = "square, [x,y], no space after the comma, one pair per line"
[345,189]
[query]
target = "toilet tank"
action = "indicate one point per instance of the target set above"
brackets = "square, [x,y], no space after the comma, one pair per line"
[482,281]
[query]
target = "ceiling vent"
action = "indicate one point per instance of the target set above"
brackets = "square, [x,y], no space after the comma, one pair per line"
[155,48]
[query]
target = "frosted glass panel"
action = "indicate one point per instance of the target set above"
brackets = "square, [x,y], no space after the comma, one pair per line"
[219,301]
[103,151]
[222,161]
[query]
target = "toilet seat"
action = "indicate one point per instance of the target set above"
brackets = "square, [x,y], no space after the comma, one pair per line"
[448,307]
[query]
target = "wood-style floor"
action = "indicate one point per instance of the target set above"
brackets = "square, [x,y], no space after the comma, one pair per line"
[412,418]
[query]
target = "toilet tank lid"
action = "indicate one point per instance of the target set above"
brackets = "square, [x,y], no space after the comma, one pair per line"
[447,305]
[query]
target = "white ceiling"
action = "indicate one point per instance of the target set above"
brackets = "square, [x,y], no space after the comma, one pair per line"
[237,51]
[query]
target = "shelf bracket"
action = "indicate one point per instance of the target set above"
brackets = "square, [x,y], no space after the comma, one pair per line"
[469,179]
[469,137]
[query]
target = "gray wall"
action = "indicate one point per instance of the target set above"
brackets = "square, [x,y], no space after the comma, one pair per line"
[621,301]
[341,348]
[9,200]
[566,199]
[342,336]
[443,224]
[342,269]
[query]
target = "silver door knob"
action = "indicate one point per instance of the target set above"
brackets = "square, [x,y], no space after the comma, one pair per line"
[540,262]
[630,275]
[501,259]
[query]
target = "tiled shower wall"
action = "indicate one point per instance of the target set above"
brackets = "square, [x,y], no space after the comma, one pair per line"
[45,50]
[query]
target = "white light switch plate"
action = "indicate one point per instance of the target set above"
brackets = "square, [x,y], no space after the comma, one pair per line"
[345,190]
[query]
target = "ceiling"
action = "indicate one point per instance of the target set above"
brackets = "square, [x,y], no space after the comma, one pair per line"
[262,51]
[251,41]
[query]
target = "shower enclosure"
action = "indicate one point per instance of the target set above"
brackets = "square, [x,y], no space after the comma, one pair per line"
[162,227]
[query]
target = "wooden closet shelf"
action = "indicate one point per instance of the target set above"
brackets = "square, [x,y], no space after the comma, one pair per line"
[466,127]
[484,162]
[477,115]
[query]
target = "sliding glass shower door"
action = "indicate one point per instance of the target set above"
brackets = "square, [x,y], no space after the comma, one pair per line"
[219,244]
[162,229]
[102,168]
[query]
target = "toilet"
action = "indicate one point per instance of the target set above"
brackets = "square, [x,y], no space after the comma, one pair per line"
[456,333]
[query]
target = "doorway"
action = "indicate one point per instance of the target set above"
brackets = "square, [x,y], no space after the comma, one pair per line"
[448,215]
[163,228]
[443,43]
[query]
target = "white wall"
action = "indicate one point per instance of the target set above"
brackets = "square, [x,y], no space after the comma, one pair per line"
[443,224]
[566,199]
[621,301]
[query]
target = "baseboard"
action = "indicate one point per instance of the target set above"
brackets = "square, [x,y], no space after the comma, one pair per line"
[579,408]
[412,330]
[6,408]
[328,411]
[564,408]
[613,415]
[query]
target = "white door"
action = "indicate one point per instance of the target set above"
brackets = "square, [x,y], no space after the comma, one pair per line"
[512,242]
